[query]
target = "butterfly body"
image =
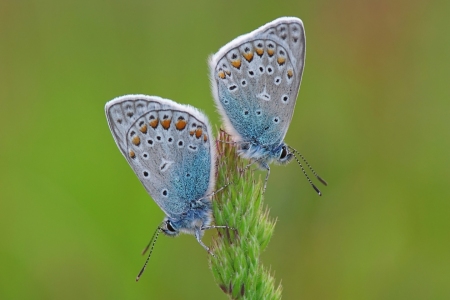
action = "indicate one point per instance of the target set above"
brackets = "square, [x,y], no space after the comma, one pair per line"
[264,155]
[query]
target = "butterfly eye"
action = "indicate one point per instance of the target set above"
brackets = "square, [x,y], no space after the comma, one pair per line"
[170,227]
[283,153]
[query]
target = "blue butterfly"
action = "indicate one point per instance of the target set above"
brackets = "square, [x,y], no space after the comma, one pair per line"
[171,149]
[255,82]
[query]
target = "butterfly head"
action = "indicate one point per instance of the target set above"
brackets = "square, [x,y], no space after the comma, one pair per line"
[169,228]
[284,155]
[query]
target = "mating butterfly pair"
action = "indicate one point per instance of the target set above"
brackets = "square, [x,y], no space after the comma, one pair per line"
[255,81]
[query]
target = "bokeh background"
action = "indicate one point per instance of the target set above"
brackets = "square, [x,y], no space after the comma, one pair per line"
[372,117]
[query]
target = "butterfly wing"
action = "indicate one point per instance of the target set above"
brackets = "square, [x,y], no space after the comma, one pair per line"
[255,80]
[168,145]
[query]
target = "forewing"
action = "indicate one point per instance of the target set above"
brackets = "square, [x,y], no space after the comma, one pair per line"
[256,78]
[123,111]
[171,150]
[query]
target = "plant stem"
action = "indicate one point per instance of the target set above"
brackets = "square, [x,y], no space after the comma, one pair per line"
[236,262]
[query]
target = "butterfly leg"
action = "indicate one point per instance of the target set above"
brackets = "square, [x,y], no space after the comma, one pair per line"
[199,240]
[214,193]
[219,227]
[265,166]
[262,165]
[216,226]
[236,235]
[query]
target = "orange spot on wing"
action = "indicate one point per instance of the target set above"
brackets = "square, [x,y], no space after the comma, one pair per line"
[222,75]
[270,51]
[136,140]
[205,137]
[290,73]
[191,133]
[166,123]
[259,51]
[143,128]
[236,63]
[248,56]
[132,154]
[198,133]
[281,60]
[154,123]
[181,124]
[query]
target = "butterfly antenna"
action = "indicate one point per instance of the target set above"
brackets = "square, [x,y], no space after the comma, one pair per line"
[307,177]
[309,166]
[150,245]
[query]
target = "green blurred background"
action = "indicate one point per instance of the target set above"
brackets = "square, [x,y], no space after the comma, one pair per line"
[372,117]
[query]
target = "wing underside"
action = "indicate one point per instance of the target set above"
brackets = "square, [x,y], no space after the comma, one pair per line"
[168,145]
[256,78]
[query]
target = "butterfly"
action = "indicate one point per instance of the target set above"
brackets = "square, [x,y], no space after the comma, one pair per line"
[171,149]
[255,81]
